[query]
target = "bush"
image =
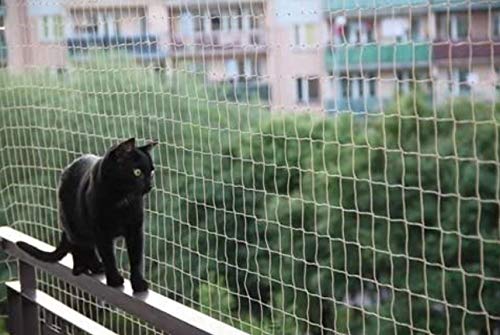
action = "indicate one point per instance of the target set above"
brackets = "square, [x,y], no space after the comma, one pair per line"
[278,224]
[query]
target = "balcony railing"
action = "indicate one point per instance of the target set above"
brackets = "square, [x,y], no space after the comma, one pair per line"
[339,5]
[246,91]
[451,50]
[439,5]
[356,105]
[3,53]
[24,299]
[377,56]
[145,46]
[219,43]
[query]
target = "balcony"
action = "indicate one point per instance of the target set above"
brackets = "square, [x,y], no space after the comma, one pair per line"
[3,53]
[350,5]
[443,52]
[33,311]
[219,43]
[355,105]
[376,56]
[438,5]
[244,92]
[144,47]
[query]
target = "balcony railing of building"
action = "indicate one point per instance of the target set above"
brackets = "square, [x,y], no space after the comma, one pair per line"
[356,105]
[219,43]
[3,52]
[393,5]
[143,46]
[25,300]
[377,56]
[446,50]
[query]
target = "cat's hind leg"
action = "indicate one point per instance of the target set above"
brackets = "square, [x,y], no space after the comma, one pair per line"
[85,260]
[79,260]
[94,265]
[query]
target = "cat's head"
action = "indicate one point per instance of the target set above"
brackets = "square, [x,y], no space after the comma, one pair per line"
[131,167]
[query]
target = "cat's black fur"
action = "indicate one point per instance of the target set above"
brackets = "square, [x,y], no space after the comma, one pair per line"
[100,199]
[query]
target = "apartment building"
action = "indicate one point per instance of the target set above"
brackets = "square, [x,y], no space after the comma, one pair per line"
[34,35]
[224,40]
[292,55]
[137,27]
[48,35]
[297,35]
[3,45]
[376,51]
[466,50]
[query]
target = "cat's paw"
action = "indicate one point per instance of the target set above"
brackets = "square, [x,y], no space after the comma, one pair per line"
[79,269]
[139,284]
[114,280]
[96,268]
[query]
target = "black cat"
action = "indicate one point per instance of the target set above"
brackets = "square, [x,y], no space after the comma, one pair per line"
[100,199]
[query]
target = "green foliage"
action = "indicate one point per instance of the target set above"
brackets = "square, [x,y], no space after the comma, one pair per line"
[278,224]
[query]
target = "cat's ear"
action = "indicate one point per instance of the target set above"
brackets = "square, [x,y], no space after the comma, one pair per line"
[124,147]
[148,146]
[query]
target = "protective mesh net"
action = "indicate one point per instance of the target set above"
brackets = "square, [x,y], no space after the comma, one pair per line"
[324,166]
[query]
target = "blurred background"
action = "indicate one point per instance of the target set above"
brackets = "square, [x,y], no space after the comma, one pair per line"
[325,166]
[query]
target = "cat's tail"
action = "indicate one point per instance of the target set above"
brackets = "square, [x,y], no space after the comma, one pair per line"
[62,249]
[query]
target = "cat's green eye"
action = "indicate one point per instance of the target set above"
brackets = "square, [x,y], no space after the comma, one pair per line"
[137,172]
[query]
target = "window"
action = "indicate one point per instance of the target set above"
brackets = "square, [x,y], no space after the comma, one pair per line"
[356,86]
[416,29]
[232,68]
[462,26]
[143,25]
[45,28]
[300,90]
[353,32]
[359,31]
[51,28]
[313,89]
[250,68]
[199,23]
[423,81]
[296,31]
[85,24]
[344,88]
[216,23]
[304,34]
[370,36]
[58,27]
[403,79]
[454,26]
[310,34]
[372,84]
[496,25]
[257,18]
[307,90]
[497,79]
[459,82]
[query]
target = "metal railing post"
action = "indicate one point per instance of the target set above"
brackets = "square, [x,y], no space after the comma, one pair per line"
[29,309]
[15,320]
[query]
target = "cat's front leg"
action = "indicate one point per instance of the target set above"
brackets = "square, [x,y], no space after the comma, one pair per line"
[134,238]
[105,247]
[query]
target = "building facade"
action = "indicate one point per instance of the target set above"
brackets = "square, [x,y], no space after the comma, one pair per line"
[224,40]
[375,52]
[290,55]
[138,28]
[466,51]
[34,36]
